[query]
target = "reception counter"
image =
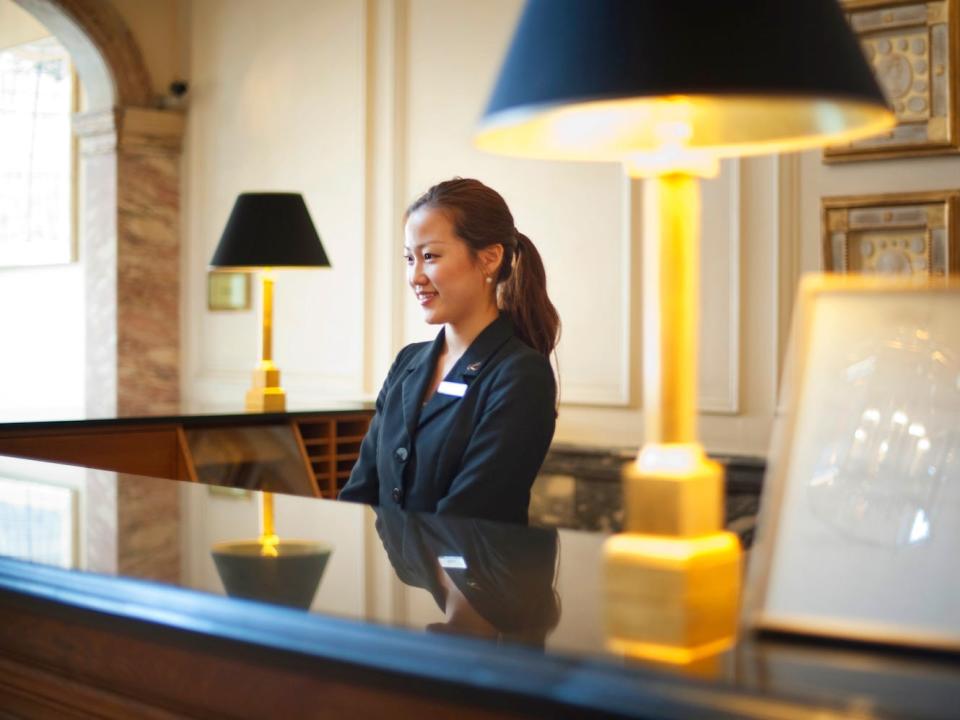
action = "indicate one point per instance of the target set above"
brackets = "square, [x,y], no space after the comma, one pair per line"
[413,615]
[306,452]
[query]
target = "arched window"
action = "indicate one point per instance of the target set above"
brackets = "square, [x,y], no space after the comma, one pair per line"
[37,154]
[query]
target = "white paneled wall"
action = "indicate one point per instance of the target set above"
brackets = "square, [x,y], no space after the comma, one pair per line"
[361,105]
[277,103]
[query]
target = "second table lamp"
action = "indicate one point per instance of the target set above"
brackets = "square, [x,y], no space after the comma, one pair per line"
[268,231]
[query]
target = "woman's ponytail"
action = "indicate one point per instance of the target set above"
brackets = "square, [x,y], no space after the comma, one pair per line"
[523,294]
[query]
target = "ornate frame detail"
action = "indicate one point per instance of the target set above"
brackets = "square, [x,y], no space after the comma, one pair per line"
[912,46]
[899,233]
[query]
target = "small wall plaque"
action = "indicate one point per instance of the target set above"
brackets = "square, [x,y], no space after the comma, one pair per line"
[912,47]
[228,291]
[898,234]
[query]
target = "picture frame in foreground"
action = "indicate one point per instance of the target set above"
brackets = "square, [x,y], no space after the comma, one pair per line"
[860,518]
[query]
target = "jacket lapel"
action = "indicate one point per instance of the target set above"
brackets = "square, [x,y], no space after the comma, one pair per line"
[437,403]
[471,364]
[419,372]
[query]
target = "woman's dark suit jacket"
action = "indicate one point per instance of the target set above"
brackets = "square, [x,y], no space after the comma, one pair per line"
[475,455]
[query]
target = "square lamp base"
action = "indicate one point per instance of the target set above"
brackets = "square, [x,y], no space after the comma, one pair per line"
[266,395]
[671,599]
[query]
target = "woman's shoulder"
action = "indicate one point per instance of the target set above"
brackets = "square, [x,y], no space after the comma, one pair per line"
[520,359]
[407,354]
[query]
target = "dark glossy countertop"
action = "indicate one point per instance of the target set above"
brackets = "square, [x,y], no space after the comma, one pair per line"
[532,623]
[192,415]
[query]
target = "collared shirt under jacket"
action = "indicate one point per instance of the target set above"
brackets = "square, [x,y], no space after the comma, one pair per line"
[475,455]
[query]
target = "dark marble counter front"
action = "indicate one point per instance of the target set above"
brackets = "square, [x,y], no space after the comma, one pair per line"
[478,606]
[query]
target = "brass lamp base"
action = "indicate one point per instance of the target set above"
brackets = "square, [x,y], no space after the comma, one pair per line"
[266,395]
[673,578]
[669,599]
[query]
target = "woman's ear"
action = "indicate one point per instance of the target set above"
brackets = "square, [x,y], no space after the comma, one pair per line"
[490,259]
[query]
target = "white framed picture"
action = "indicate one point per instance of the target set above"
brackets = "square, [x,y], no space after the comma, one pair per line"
[859,528]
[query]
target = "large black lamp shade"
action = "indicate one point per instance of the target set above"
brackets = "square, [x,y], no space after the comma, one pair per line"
[269,230]
[597,79]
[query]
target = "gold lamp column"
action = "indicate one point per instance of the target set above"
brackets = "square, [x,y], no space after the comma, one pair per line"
[668,89]
[267,231]
[266,394]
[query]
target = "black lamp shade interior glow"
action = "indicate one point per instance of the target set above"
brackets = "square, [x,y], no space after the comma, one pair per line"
[754,71]
[269,230]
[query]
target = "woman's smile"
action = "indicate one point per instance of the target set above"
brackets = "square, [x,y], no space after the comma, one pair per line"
[425,297]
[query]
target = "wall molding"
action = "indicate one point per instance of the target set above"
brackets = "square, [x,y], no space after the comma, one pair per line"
[618,393]
[788,245]
[725,400]
[385,63]
[227,388]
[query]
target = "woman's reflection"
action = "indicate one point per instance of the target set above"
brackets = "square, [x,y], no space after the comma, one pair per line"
[491,580]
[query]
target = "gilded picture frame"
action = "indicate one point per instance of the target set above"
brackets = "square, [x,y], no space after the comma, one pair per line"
[912,47]
[898,233]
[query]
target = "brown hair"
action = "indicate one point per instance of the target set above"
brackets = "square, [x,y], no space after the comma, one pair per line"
[481,218]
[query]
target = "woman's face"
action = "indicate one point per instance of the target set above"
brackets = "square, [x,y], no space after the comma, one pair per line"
[447,279]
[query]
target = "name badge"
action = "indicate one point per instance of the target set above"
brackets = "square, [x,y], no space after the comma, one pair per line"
[452,388]
[452,562]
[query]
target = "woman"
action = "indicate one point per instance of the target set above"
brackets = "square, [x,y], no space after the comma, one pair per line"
[463,424]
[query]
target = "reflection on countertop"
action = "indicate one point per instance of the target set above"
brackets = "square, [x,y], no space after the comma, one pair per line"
[579,487]
[504,586]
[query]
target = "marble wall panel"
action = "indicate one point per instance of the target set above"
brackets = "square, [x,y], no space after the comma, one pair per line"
[98,211]
[148,283]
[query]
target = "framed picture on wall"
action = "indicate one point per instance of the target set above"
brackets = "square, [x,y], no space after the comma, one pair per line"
[860,519]
[913,49]
[901,234]
[228,290]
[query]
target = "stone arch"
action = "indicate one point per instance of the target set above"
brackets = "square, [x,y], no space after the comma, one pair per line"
[104,52]
[129,160]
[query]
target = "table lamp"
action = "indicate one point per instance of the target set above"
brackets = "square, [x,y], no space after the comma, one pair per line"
[268,231]
[668,89]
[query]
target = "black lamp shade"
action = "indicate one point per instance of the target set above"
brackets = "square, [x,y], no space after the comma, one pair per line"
[269,230]
[758,71]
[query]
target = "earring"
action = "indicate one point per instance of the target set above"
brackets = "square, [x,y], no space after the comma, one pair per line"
[489,279]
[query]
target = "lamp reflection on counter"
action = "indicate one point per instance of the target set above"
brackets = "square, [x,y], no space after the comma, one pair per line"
[268,231]
[668,89]
[286,572]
